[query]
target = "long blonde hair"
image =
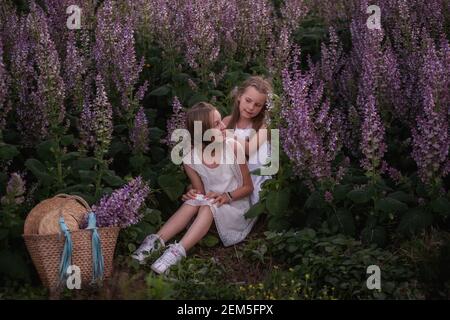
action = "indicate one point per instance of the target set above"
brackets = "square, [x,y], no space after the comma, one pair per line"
[263,86]
[201,111]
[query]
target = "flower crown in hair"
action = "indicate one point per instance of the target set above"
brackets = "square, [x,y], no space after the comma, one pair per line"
[269,102]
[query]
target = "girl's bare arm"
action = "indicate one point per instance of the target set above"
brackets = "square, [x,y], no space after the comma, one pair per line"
[196,182]
[256,141]
[247,185]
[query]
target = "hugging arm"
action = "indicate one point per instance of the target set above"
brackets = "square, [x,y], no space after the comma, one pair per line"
[256,141]
[245,190]
[196,185]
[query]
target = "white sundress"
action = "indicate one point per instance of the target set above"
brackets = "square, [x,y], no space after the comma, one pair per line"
[229,218]
[255,161]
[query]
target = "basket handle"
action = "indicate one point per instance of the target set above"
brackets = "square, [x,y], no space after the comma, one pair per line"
[75,197]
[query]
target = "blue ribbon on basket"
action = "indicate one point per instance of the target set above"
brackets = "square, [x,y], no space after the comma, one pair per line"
[97,256]
[66,257]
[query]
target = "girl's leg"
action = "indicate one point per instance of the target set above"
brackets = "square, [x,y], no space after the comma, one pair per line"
[198,229]
[177,222]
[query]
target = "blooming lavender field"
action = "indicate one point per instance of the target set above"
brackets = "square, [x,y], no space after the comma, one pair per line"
[364,128]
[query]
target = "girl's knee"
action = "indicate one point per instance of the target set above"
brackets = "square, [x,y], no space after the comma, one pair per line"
[205,210]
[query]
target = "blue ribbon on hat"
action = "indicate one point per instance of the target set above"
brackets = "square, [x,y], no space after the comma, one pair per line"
[66,257]
[97,256]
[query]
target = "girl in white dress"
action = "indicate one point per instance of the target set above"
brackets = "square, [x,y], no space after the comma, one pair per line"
[221,191]
[251,101]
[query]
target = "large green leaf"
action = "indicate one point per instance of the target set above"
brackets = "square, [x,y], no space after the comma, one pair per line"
[360,195]
[84,163]
[277,201]
[255,210]
[402,196]
[13,265]
[441,205]
[8,152]
[389,205]
[112,180]
[161,91]
[197,97]
[171,185]
[415,220]
[315,201]
[375,235]
[45,150]
[67,139]
[155,134]
[116,147]
[39,171]
[137,161]
[342,221]
[341,191]
[70,156]
[209,241]
[87,175]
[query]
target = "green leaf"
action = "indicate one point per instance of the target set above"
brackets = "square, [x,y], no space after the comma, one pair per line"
[39,171]
[70,156]
[216,93]
[402,196]
[277,201]
[315,201]
[171,185]
[161,91]
[116,147]
[13,265]
[359,196]
[181,77]
[87,175]
[441,205]
[255,210]
[131,247]
[341,191]
[375,235]
[45,150]
[113,181]
[157,153]
[210,241]
[155,134]
[137,161]
[120,128]
[343,221]
[197,97]
[415,220]
[84,163]
[8,152]
[77,187]
[67,140]
[389,205]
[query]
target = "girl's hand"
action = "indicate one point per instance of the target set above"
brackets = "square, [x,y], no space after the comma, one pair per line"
[219,199]
[191,194]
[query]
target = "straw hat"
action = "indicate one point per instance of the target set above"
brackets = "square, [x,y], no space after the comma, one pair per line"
[44,218]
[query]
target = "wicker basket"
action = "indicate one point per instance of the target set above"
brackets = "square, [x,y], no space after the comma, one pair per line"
[46,250]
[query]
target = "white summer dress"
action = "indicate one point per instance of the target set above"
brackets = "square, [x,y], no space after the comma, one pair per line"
[229,218]
[255,161]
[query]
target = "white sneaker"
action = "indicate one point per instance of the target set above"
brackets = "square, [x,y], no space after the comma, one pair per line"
[151,243]
[170,257]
